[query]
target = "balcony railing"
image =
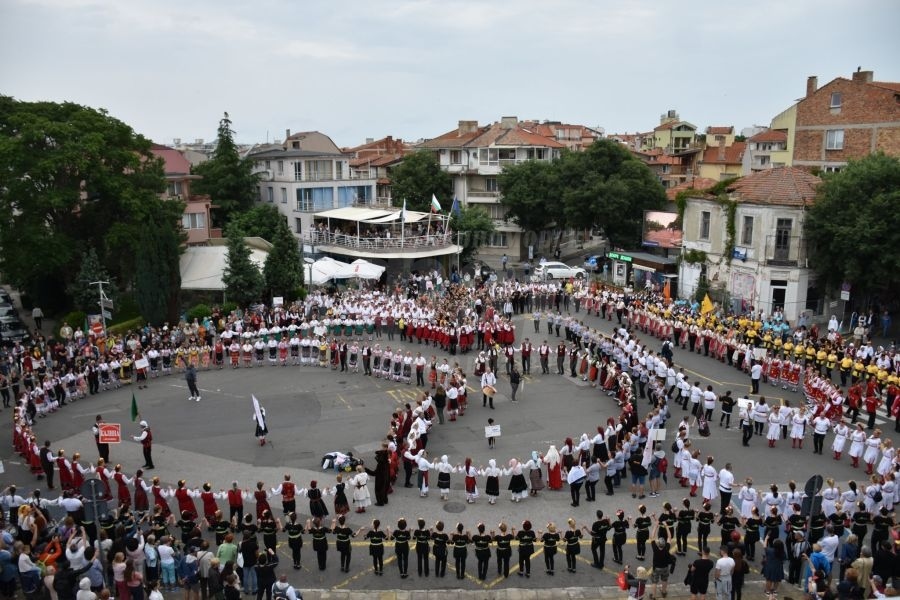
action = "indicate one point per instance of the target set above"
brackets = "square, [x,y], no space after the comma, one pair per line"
[379,244]
[783,250]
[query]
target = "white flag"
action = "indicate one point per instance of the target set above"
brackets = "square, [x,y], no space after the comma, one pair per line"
[403,212]
[258,412]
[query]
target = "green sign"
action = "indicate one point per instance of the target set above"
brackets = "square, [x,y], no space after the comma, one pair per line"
[617,256]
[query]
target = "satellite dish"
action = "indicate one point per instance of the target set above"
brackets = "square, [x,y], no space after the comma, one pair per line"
[467,278]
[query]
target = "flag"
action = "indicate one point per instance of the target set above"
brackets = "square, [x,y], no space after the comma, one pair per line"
[667,291]
[455,208]
[403,213]
[135,413]
[706,306]
[435,205]
[258,413]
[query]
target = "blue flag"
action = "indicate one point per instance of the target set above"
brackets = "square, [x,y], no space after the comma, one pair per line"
[454,209]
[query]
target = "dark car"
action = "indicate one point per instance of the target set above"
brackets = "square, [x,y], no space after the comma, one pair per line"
[13,330]
[8,311]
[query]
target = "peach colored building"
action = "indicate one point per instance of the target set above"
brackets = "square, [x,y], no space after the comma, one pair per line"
[196,218]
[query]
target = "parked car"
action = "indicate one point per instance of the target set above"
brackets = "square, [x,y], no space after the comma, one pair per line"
[558,270]
[594,262]
[8,310]
[13,331]
[5,298]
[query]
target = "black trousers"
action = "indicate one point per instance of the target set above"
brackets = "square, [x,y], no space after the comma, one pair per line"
[422,561]
[345,558]
[440,565]
[503,562]
[525,562]
[148,457]
[378,562]
[49,470]
[322,557]
[420,378]
[598,550]
[236,511]
[726,500]
[617,544]
[192,388]
[575,490]
[747,431]
[403,558]
[483,557]
[590,490]
[681,537]
[549,556]
[818,442]
[460,563]
[295,546]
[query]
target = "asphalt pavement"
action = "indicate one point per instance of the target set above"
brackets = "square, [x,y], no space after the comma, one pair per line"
[312,411]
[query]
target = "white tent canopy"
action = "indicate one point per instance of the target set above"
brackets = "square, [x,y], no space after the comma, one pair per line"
[202,267]
[363,269]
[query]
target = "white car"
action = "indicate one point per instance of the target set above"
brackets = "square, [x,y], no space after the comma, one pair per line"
[558,270]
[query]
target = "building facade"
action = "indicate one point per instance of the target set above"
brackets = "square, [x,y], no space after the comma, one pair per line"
[306,174]
[765,265]
[846,119]
[195,220]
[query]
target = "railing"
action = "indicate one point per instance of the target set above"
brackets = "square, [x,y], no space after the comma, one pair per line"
[376,244]
[783,250]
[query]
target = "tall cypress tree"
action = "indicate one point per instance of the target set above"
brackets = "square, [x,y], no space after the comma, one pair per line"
[242,279]
[283,270]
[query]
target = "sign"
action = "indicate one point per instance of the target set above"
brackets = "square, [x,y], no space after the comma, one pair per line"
[106,303]
[845,296]
[107,314]
[277,301]
[739,253]
[110,433]
[845,291]
[617,256]
[491,431]
[141,364]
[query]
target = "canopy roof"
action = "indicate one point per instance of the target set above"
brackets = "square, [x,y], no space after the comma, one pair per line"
[202,267]
[370,215]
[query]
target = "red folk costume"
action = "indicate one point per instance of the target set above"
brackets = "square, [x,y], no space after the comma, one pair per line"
[185,501]
[159,500]
[141,502]
[262,502]
[208,499]
[65,473]
[122,490]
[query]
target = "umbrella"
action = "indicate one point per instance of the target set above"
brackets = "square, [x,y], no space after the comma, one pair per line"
[363,269]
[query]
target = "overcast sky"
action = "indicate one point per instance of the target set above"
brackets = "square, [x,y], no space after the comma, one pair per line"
[412,69]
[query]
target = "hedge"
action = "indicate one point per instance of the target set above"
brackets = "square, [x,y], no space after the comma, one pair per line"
[125,326]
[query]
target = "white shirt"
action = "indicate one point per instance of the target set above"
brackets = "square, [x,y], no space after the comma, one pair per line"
[756,371]
[726,480]
[725,567]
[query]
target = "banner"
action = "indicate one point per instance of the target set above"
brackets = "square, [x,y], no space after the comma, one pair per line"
[110,433]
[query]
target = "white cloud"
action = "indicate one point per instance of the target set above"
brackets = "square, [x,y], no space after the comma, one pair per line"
[334,50]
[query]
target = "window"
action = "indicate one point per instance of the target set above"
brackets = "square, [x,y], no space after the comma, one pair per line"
[488,156]
[338,170]
[704,224]
[783,239]
[281,167]
[318,170]
[747,232]
[298,224]
[270,194]
[836,98]
[507,155]
[491,185]
[173,188]
[497,240]
[455,157]
[833,169]
[298,171]
[496,211]
[834,139]
[284,195]
[354,194]
[312,199]
[193,221]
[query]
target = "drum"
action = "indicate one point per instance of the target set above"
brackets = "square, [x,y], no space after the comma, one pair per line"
[489,391]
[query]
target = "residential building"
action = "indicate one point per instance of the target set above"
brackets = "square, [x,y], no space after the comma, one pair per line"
[474,155]
[196,218]
[308,173]
[846,119]
[697,184]
[671,150]
[672,135]
[767,268]
[573,137]
[723,157]
[376,159]
[772,147]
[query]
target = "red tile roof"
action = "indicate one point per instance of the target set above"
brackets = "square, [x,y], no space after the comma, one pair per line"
[175,162]
[698,183]
[453,139]
[784,186]
[733,154]
[770,135]
[888,85]
[492,135]
[720,130]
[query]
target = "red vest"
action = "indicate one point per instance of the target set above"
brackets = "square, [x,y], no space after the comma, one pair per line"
[287,491]
[147,441]
[235,498]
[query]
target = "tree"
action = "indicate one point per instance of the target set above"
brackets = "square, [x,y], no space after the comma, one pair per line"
[416,178]
[227,178]
[84,295]
[283,270]
[71,176]
[243,281]
[158,243]
[531,195]
[474,226]
[606,186]
[853,228]
[263,220]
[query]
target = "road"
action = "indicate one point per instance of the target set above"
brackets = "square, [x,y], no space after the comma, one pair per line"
[313,411]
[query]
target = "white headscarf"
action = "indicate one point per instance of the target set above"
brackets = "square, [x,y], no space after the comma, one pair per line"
[552,456]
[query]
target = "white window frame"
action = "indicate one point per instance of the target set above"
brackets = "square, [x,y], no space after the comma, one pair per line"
[193,221]
[491,184]
[705,222]
[835,100]
[834,139]
[284,195]
[747,234]
[456,157]
[498,240]
[270,194]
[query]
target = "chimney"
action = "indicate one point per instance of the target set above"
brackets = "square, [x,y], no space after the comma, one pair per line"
[287,133]
[509,122]
[722,149]
[864,76]
[467,127]
[370,140]
[812,84]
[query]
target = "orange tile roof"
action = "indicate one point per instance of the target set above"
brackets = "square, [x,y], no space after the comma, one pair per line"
[784,186]
[733,154]
[888,85]
[665,126]
[770,135]
[698,183]
[453,139]
[175,162]
[720,130]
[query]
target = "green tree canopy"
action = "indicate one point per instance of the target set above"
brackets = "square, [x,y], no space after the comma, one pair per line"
[416,178]
[84,295]
[853,228]
[157,246]
[474,226]
[531,195]
[605,186]
[283,271]
[227,178]
[72,176]
[263,220]
[243,281]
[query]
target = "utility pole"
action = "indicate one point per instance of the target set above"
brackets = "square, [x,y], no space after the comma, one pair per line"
[104,302]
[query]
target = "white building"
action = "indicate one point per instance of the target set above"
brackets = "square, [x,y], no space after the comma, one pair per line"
[768,265]
[306,174]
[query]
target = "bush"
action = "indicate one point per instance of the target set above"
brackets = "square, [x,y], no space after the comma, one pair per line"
[229,307]
[125,326]
[75,319]
[199,312]
[300,293]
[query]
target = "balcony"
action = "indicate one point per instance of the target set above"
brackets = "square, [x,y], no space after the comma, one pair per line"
[379,244]
[784,250]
